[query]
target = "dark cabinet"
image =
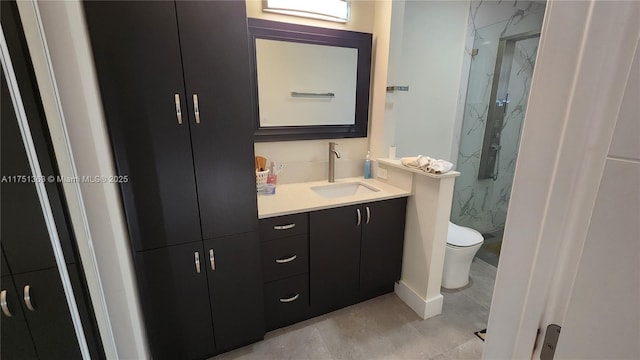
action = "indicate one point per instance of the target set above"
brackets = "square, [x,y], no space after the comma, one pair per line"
[175,86]
[381,245]
[16,338]
[355,252]
[334,248]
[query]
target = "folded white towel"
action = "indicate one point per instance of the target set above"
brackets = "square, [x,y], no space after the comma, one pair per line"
[427,164]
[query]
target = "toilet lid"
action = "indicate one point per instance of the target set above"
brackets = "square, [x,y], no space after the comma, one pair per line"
[463,236]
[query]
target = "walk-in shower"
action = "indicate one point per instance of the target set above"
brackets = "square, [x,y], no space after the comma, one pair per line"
[503,59]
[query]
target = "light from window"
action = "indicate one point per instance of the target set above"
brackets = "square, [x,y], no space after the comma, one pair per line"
[332,10]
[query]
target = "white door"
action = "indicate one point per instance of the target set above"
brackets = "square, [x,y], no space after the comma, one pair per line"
[571,252]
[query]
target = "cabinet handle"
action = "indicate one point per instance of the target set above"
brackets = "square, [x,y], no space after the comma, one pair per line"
[4,305]
[359,217]
[284,227]
[284,261]
[212,259]
[196,108]
[196,256]
[27,298]
[178,109]
[368,215]
[288,300]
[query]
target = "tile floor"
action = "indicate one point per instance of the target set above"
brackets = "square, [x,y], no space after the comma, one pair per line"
[386,328]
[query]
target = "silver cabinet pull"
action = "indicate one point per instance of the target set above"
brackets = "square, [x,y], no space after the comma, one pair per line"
[4,305]
[359,217]
[284,227]
[196,108]
[293,298]
[284,261]
[178,109]
[368,214]
[196,256]
[27,298]
[212,259]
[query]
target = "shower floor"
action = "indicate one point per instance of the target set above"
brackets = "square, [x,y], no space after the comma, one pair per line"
[490,250]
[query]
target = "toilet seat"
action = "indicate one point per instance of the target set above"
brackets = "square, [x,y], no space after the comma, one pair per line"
[460,236]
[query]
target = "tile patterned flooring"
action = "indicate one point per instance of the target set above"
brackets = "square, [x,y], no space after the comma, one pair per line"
[386,328]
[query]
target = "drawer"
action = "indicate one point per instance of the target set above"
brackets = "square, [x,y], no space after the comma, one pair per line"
[283,226]
[286,301]
[286,257]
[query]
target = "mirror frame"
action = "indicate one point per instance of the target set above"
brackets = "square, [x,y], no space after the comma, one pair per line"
[273,30]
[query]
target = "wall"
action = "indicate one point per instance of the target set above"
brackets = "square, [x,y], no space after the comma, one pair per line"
[482,204]
[83,123]
[430,62]
[308,160]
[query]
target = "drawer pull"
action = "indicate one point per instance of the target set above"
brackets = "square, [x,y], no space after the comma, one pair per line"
[284,261]
[359,217]
[368,215]
[284,227]
[288,300]
[3,303]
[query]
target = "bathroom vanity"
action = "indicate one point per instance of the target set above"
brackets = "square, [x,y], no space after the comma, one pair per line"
[326,246]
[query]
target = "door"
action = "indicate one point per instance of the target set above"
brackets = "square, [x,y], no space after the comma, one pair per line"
[16,338]
[45,308]
[137,56]
[235,286]
[334,248]
[215,53]
[382,243]
[175,301]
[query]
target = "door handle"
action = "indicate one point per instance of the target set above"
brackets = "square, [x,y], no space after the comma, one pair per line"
[27,298]
[212,259]
[4,305]
[359,217]
[196,108]
[284,261]
[368,215]
[196,256]
[178,108]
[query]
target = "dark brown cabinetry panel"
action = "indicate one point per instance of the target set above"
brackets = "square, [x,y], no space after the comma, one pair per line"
[286,301]
[334,248]
[175,301]
[282,258]
[381,246]
[283,226]
[138,61]
[215,56]
[235,288]
[16,338]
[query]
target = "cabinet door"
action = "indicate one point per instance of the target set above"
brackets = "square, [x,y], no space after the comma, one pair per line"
[137,56]
[175,301]
[382,242]
[334,257]
[25,238]
[16,338]
[214,41]
[235,286]
[48,314]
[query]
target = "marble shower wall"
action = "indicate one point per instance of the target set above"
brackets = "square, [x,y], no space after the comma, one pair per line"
[482,204]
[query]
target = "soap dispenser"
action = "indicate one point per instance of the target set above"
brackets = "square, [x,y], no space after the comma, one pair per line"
[367,166]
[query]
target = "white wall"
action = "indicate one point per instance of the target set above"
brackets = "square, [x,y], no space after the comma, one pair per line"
[433,40]
[308,160]
[72,65]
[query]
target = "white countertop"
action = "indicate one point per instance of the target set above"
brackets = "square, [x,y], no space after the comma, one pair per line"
[297,198]
[397,164]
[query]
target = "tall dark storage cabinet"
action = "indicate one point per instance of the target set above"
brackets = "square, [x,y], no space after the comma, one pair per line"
[175,85]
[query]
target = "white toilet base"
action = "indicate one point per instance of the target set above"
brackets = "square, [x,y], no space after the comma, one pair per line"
[457,264]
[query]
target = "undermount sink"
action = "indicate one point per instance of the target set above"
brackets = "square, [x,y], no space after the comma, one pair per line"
[343,189]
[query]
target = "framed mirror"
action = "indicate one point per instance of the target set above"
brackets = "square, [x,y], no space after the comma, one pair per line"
[309,82]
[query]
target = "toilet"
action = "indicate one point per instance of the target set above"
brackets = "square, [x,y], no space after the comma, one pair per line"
[462,245]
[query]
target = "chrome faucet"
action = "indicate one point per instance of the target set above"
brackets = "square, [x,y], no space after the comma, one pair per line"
[332,161]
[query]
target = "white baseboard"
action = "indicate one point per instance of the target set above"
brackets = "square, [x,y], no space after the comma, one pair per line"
[424,308]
